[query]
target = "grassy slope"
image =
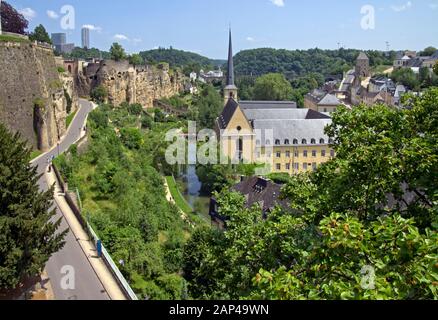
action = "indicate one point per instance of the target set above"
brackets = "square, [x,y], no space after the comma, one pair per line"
[177,196]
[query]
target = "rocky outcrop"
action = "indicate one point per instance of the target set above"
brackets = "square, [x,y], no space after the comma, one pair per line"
[142,84]
[32,97]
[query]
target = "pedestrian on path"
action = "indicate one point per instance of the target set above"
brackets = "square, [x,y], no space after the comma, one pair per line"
[49,164]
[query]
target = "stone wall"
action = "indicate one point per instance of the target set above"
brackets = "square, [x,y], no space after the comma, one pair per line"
[142,84]
[32,99]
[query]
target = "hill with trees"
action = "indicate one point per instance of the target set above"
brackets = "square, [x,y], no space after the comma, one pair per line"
[296,63]
[180,58]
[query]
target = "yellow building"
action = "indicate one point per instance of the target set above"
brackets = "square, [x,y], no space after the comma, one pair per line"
[277,133]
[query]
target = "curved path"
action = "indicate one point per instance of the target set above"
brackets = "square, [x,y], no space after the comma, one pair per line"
[87,284]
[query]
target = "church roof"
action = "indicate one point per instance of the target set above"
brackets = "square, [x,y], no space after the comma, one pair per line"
[303,130]
[227,114]
[268,104]
[362,56]
[330,100]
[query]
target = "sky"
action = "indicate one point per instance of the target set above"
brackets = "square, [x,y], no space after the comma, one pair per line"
[201,26]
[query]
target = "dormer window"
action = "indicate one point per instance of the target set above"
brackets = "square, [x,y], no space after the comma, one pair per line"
[322,141]
[258,142]
[286,142]
[304,141]
[268,142]
[277,142]
[295,141]
[313,141]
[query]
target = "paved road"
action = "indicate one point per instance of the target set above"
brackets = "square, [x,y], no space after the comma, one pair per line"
[87,284]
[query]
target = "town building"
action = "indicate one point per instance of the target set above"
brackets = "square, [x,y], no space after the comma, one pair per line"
[85,38]
[59,41]
[276,133]
[257,192]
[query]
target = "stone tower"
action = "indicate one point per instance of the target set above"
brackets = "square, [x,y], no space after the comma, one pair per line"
[363,66]
[230,90]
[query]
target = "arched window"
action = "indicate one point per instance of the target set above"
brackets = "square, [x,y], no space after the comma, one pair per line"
[268,142]
[286,142]
[322,141]
[277,142]
[304,141]
[331,141]
[295,141]
[313,141]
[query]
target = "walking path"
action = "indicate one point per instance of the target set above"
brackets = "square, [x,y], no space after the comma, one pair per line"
[103,273]
[87,284]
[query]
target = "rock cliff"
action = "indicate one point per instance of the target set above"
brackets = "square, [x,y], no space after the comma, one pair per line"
[141,84]
[32,96]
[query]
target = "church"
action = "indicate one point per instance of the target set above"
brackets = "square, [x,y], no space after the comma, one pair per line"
[275,133]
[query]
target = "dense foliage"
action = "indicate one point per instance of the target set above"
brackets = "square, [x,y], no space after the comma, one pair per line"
[12,20]
[123,196]
[85,53]
[40,34]
[28,233]
[179,58]
[99,94]
[272,87]
[117,52]
[363,226]
[424,79]
[297,63]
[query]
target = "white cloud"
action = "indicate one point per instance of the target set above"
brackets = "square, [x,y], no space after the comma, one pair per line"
[433,6]
[278,3]
[52,14]
[250,39]
[28,13]
[121,37]
[92,27]
[137,40]
[403,7]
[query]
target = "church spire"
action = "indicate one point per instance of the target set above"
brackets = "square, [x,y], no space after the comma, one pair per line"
[230,90]
[230,73]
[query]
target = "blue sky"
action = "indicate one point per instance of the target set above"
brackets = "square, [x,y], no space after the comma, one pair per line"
[201,25]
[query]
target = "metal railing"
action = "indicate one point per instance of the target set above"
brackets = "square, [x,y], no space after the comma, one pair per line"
[109,262]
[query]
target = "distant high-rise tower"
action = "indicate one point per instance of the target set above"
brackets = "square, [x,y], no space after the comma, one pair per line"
[230,90]
[85,38]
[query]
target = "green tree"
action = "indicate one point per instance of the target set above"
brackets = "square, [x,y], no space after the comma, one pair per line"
[28,235]
[117,52]
[273,86]
[99,94]
[371,210]
[40,34]
[428,52]
[209,105]
[136,59]
[131,137]
[406,77]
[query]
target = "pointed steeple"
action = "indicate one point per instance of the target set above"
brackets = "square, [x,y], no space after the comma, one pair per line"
[230,90]
[230,73]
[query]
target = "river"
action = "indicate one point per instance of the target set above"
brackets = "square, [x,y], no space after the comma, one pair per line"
[192,191]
